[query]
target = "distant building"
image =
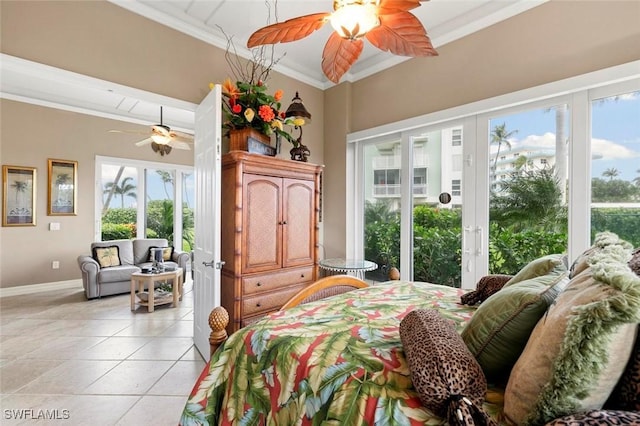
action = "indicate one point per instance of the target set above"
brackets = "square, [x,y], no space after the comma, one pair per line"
[527,157]
[437,168]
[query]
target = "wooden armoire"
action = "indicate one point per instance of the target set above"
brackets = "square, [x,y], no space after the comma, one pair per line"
[270,211]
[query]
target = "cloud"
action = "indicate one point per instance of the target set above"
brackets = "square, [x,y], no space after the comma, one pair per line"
[609,150]
[548,140]
[602,149]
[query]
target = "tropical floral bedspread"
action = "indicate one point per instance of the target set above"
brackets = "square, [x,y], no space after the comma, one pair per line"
[335,361]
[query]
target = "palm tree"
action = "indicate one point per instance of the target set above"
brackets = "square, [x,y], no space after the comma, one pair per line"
[611,173]
[500,136]
[166,178]
[561,149]
[636,180]
[107,203]
[20,186]
[125,189]
[521,163]
[61,179]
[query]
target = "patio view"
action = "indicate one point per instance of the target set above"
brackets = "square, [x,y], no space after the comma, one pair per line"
[529,189]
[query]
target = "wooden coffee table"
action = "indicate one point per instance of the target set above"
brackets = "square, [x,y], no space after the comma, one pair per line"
[139,279]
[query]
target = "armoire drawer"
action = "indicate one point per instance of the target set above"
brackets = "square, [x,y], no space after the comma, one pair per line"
[265,302]
[272,281]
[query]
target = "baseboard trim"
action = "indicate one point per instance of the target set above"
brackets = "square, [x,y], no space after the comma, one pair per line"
[38,288]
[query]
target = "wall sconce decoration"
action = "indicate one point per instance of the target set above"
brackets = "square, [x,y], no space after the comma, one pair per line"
[297,110]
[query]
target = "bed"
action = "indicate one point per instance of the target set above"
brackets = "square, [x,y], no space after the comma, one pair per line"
[332,361]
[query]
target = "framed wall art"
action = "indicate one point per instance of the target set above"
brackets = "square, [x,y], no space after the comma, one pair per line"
[62,188]
[18,196]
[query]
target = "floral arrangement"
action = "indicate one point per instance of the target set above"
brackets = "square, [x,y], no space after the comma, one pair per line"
[248,104]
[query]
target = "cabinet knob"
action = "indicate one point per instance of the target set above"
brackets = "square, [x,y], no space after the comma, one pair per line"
[258,284]
[258,305]
[284,223]
[301,275]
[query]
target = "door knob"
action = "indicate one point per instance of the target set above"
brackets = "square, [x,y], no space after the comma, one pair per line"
[214,264]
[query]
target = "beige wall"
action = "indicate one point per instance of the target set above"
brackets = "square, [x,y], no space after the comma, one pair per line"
[556,40]
[31,134]
[101,40]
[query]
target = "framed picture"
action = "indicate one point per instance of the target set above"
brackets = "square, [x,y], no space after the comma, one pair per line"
[62,189]
[18,196]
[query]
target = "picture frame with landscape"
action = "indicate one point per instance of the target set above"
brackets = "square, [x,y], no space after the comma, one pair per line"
[18,196]
[62,187]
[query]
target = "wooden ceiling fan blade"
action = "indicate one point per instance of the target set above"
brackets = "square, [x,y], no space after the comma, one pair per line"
[401,34]
[289,30]
[338,56]
[144,142]
[387,7]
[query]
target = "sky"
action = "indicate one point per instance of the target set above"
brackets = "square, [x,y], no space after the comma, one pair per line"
[615,133]
[154,183]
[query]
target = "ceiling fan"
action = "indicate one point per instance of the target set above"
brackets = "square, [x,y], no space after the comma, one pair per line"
[162,138]
[387,24]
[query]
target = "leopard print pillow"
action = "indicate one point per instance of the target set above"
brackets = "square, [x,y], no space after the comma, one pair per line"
[626,395]
[447,378]
[598,418]
[487,285]
[634,263]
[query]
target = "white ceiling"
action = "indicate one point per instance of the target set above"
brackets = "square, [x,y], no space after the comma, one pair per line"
[208,20]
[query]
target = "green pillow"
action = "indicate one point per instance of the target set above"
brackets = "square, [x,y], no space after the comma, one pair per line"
[537,268]
[602,240]
[578,351]
[498,331]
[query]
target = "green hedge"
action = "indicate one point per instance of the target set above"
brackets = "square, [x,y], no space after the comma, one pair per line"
[120,223]
[437,241]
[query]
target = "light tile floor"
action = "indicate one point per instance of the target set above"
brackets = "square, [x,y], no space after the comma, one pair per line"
[95,362]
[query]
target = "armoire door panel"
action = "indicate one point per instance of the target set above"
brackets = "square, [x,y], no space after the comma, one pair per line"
[299,213]
[270,230]
[262,220]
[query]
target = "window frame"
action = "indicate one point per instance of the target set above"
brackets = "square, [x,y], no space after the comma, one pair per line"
[141,166]
[576,92]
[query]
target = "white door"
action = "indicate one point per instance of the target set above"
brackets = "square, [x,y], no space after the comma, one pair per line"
[207,155]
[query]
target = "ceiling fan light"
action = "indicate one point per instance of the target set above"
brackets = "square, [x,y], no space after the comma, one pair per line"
[354,20]
[160,139]
[160,134]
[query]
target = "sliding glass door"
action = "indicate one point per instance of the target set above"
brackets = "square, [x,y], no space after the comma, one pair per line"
[519,179]
[412,204]
[615,165]
[382,161]
[528,178]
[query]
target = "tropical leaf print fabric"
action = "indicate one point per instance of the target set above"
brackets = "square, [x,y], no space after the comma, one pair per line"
[337,361]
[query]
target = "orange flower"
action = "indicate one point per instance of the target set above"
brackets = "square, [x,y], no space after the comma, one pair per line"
[266,113]
[230,89]
[278,95]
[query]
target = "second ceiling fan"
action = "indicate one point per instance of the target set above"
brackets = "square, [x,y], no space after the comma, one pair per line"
[162,138]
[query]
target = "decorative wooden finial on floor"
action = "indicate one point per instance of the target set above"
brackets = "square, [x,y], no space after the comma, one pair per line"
[218,320]
[394,274]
